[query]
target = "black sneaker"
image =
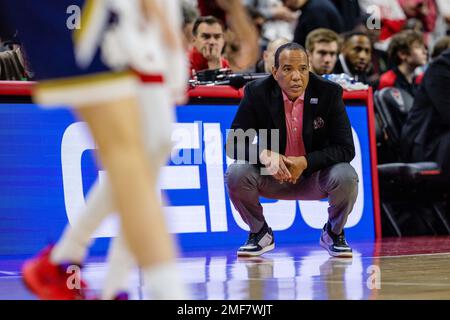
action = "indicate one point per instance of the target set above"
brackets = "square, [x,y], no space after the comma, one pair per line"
[335,244]
[258,243]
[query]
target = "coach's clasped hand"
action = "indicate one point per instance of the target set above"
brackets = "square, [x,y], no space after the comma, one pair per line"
[282,168]
[296,168]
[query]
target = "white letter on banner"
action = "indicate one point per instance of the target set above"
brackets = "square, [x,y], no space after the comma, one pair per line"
[315,213]
[184,219]
[75,141]
[214,170]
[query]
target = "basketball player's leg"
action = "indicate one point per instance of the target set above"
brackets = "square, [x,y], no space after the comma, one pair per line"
[116,129]
[133,186]
[157,114]
[120,264]
[72,247]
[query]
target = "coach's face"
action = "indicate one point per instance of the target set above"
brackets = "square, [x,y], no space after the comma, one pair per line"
[292,73]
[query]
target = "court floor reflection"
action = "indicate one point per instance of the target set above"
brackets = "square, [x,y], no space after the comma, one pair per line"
[407,268]
[283,274]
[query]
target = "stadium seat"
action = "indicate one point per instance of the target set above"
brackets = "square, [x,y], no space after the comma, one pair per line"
[409,191]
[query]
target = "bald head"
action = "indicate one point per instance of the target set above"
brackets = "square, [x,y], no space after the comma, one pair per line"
[269,53]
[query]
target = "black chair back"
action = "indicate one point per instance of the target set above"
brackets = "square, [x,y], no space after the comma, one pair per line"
[392,106]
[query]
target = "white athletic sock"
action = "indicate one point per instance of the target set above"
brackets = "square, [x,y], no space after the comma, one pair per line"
[72,246]
[120,262]
[164,282]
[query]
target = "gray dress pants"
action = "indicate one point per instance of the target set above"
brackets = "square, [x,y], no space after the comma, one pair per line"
[338,183]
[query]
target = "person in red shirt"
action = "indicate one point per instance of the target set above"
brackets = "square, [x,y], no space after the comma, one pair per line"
[407,51]
[208,45]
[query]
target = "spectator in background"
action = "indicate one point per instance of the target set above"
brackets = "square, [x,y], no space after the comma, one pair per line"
[444,9]
[245,37]
[407,51]
[440,46]
[414,24]
[268,60]
[190,14]
[392,17]
[423,10]
[322,46]
[379,62]
[208,45]
[350,12]
[280,21]
[315,14]
[426,133]
[356,54]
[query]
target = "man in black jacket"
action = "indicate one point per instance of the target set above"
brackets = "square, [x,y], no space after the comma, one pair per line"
[426,133]
[304,146]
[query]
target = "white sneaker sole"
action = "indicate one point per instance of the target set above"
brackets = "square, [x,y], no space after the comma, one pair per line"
[256,253]
[335,254]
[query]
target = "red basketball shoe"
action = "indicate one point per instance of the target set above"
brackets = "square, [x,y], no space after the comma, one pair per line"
[52,282]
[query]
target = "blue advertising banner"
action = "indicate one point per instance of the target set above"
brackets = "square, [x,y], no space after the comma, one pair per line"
[47,167]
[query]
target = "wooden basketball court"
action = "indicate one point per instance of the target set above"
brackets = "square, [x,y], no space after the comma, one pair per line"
[400,268]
